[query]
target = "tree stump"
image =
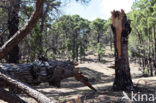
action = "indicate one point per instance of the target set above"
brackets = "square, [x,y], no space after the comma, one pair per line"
[121,29]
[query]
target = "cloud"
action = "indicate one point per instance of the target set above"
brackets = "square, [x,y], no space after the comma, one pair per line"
[107,6]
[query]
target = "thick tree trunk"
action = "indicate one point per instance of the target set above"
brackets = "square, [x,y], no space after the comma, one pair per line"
[42,71]
[121,29]
[13,23]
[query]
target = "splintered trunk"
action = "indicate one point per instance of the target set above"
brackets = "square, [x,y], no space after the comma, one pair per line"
[13,23]
[121,29]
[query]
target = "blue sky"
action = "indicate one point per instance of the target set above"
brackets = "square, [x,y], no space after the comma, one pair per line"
[97,8]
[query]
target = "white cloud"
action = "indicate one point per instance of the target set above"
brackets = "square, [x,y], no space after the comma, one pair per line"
[107,6]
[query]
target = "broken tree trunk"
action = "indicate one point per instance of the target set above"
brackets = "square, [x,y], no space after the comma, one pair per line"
[121,29]
[44,71]
[39,72]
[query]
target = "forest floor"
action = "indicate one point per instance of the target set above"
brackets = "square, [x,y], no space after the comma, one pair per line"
[101,76]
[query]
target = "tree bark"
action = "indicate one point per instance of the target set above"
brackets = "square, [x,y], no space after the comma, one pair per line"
[155,46]
[44,15]
[13,23]
[42,71]
[25,30]
[39,72]
[121,29]
[149,53]
[98,41]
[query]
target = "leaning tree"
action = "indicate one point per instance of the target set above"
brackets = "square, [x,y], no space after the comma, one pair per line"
[11,75]
[121,29]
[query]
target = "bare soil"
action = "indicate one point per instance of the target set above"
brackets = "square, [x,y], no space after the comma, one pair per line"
[101,76]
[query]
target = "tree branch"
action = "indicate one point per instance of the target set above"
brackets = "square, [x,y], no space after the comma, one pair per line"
[39,97]
[25,30]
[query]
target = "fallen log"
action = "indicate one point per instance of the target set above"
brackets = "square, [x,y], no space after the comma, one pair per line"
[44,71]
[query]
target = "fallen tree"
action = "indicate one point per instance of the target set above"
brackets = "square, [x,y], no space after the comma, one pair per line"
[34,73]
[43,71]
[39,72]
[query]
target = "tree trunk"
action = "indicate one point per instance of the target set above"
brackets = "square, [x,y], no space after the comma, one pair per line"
[111,40]
[13,23]
[75,46]
[98,41]
[11,43]
[121,29]
[77,52]
[149,53]
[43,17]
[155,46]
[41,71]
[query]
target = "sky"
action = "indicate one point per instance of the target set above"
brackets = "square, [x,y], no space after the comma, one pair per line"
[97,8]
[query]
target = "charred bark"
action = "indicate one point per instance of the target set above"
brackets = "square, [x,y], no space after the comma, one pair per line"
[38,72]
[121,29]
[42,71]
